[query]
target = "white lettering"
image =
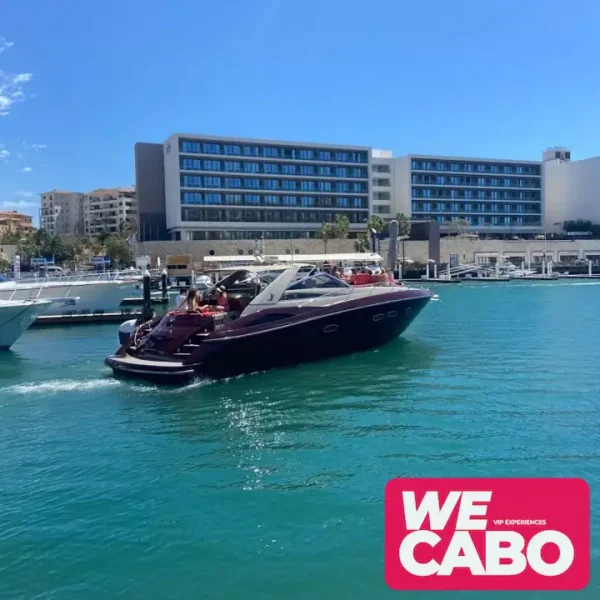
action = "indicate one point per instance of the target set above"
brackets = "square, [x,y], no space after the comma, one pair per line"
[468,510]
[461,542]
[430,505]
[407,553]
[513,552]
[565,548]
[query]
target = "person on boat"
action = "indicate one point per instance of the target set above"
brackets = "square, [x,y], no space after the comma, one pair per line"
[181,299]
[390,277]
[191,303]
[222,299]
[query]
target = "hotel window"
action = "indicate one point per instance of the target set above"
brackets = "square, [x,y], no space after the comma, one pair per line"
[290,200]
[454,167]
[252,199]
[494,195]
[210,148]
[251,167]
[272,184]
[233,182]
[272,200]
[288,169]
[324,155]
[416,165]
[453,194]
[441,166]
[520,208]
[358,188]
[426,193]
[520,170]
[493,168]
[212,198]
[231,149]
[192,198]
[494,208]
[251,183]
[507,169]
[307,185]
[343,202]
[191,164]
[250,150]
[306,154]
[481,168]
[495,220]
[340,171]
[440,179]
[468,168]
[325,171]
[190,147]
[454,206]
[507,221]
[325,186]
[233,165]
[270,152]
[288,184]
[192,181]
[426,207]
[481,195]
[307,170]
[211,165]
[519,221]
[271,168]
[307,201]
[468,207]
[342,186]
[358,203]
[233,199]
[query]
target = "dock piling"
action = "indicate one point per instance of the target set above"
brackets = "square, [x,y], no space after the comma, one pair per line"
[147,306]
[163,283]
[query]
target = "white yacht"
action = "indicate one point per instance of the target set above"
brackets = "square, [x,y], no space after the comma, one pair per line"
[17,316]
[96,292]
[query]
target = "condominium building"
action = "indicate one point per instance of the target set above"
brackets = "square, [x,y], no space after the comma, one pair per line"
[14,224]
[106,209]
[234,188]
[489,196]
[61,212]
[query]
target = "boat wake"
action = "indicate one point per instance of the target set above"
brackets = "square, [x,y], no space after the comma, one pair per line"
[62,385]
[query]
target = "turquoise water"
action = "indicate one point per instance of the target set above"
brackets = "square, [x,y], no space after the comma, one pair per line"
[271,485]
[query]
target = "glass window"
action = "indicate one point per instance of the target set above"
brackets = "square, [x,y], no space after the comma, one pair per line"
[325,186]
[342,186]
[233,199]
[250,150]
[251,167]
[307,170]
[271,168]
[324,155]
[289,184]
[211,165]
[191,164]
[211,148]
[307,201]
[307,185]
[212,198]
[232,149]
[187,146]
[233,165]
[290,200]
[252,199]
[289,169]
[320,281]
[192,181]
[341,156]
[251,183]
[233,182]
[325,171]
[270,152]
[272,184]
[192,198]
[271,200]
[306,154]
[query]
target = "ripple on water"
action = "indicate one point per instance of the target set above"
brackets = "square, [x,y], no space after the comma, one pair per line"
[107,485]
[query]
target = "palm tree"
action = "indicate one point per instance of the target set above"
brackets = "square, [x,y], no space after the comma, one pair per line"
[361,243]
[341,226]
[326,232]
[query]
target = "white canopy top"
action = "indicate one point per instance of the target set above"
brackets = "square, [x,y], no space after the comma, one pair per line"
[248,258]
[363,257]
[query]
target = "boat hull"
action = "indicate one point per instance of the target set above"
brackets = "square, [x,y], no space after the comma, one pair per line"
[90,296]
[323,336]
[15,319]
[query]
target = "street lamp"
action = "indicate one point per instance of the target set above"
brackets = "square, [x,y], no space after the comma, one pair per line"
[373,238]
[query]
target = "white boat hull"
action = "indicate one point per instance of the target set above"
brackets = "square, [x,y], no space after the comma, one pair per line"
[15,318]
[88,296]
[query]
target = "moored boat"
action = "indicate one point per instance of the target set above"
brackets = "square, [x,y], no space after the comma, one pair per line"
[16,317]
[288,321]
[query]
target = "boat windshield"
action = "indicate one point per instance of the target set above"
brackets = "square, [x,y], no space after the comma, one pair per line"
[318,281]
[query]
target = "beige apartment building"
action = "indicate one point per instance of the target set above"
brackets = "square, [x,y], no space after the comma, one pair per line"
[105,209]
[14,223]
[61,212]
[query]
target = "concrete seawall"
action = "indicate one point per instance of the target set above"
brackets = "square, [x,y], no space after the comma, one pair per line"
[468,250]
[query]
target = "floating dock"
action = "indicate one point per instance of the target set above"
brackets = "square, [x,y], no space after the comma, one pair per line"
[140,301]
[89,318]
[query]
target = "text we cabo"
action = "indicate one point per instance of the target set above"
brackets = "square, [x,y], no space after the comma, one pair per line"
[487,534]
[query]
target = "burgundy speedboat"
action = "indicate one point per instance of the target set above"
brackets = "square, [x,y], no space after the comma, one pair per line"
[291,320]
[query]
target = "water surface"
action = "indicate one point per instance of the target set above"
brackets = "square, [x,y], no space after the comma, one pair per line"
[271,485]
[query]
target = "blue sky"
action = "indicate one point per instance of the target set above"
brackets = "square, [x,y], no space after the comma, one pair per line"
[81,82]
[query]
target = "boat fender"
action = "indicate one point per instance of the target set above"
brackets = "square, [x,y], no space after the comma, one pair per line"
[125,330]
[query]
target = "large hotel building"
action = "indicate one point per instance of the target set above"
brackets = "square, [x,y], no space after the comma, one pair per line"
[197,187]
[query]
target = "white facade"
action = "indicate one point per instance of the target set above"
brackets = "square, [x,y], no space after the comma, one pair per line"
[62,212]
[106,209]
[571,191]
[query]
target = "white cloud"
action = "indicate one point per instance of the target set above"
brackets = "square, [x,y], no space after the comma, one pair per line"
[16,204]
[4,154]
[11,90]
[24,194]
[5,44]
[34,147]
[26,170]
